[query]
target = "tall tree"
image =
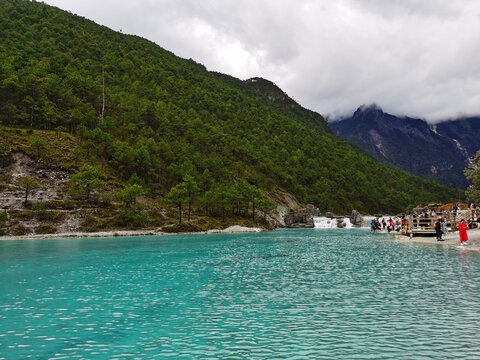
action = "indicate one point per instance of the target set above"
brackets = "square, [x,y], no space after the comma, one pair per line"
[27,183]
[265,205]
[38,147]
[86,180]
[128,195]
[177,196]
[192,190]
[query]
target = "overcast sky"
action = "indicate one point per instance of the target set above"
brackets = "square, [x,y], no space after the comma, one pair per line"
[411,57]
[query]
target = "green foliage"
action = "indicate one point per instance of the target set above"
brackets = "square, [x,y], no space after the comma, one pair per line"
[128,195]
[473,174]
[49,215]
[38,206]
[131,219]
[265,205]
[181,228]
[54,205]
[3,216]
[46,229]
[178,196]
[85,180]
[27,183]
[167,117]
[19,230]
[38,147]
[21,215]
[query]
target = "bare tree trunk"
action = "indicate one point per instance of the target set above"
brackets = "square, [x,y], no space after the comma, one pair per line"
[180,212]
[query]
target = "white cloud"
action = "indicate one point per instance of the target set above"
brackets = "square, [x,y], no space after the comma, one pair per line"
[416,58]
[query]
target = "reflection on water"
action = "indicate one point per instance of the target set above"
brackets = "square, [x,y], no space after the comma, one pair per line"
[286,294]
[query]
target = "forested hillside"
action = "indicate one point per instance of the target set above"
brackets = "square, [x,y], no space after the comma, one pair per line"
[155,118]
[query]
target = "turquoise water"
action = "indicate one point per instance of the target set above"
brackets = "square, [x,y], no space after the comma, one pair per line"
[285,295]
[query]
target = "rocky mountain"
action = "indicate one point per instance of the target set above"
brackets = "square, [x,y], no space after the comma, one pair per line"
[437,152]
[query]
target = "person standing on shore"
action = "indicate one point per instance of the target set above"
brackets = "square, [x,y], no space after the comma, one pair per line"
[438,230]
[444,226]
[462,231]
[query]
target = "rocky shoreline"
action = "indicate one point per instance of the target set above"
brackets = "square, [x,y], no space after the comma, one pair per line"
[128,233]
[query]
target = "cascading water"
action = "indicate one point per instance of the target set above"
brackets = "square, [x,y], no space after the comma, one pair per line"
[347,223]
[323,222]
[367,220]
[331,223]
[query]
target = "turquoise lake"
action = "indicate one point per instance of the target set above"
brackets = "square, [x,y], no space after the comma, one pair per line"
[290,294]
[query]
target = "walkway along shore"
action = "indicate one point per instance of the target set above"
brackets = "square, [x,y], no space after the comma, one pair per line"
[451,240]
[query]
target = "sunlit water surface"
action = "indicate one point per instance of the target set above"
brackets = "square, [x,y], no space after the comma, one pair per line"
[287,294]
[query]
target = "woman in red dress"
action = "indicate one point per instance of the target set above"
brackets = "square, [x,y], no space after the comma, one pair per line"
[462,230]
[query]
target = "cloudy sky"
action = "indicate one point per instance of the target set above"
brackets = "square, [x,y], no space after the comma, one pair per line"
[411,57]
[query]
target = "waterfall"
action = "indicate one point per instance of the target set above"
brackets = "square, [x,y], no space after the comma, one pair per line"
[324,222]
[330,223]
[366,221]
[348,224]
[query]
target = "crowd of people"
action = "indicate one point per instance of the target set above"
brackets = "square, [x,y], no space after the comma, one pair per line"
[425,217]
[390,224]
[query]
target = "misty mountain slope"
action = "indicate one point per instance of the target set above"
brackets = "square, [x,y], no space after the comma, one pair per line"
[437,152]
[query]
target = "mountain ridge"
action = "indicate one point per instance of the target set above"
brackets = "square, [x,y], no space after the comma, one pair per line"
[437,152]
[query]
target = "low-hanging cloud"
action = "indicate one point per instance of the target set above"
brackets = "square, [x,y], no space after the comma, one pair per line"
[415,58]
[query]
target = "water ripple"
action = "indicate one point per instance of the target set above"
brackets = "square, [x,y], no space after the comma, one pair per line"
[284,295]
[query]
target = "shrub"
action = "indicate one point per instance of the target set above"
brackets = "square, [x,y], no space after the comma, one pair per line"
[44,215]
[38,206]
[183,227]
[3,216]
[19,230]
[132,219]
[58,204]
[21,215]
[46,229]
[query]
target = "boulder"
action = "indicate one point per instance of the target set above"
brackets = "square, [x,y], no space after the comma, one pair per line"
[289,218]
[356,218]
[293,220]
[313,211]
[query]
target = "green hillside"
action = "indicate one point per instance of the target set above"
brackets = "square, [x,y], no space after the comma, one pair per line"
[166,117]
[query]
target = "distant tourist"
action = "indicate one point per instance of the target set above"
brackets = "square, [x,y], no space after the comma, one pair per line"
[462,231]
[373,226]
[444,226]
[438,230]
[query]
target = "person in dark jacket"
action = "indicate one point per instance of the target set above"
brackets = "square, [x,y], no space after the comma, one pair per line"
[438,230]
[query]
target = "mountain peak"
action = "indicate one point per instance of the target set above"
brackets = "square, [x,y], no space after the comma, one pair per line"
[412,144]
[368,109]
